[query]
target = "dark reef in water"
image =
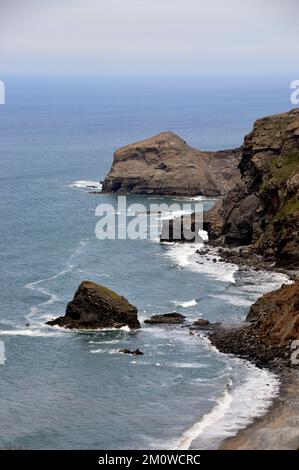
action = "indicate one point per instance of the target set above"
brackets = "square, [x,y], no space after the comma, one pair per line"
[166,319]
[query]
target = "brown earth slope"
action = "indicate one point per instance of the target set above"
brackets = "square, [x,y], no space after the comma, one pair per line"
[274,326]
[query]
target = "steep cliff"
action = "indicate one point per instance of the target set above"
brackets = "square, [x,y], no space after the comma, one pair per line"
[263,212]
[276,315]
[166,165]
[268,340]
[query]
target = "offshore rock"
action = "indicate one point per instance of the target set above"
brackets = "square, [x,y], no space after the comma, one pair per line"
[166,165]
[94,307]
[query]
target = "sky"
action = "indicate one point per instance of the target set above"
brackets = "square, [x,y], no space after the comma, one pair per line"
[149,36]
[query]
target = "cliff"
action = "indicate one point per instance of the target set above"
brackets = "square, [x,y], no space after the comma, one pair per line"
[275,315]
[263,212]
[166,165]
[274,326]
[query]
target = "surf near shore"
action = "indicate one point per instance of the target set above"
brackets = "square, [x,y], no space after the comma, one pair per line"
[267,341]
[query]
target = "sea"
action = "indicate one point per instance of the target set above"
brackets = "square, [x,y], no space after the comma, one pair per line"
[63,389]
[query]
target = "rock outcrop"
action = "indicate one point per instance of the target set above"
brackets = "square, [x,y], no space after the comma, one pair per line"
[201,322]
[275,315]
[263,212]
[134,352]
[94,307]
[182,229]
[166,165]
[166,319]
[274,326]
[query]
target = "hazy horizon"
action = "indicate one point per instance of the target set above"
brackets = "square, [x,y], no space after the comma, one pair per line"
[143,37]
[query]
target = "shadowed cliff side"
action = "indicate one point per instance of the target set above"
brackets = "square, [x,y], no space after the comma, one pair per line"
[263,212]
[166,165]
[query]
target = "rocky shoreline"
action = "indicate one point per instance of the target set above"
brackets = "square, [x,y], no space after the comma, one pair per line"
[278,429]
[265,339]
[255,225]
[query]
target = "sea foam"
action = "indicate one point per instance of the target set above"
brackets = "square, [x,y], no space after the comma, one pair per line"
[87,184]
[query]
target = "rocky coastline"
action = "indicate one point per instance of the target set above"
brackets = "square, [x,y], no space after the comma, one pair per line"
[255,225]
[262,213]
[272,325]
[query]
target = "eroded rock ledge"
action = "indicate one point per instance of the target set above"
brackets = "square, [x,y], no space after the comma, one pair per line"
[166,165]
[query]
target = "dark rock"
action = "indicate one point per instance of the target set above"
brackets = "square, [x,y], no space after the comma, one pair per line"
[201,322]
[135,352]
[182,229]
[275,315]
[203,251]
[166,318]
[262,213]
[275,325]
[166,165]
[95,306]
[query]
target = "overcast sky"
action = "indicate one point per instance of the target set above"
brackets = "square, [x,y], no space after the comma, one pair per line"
[149,36]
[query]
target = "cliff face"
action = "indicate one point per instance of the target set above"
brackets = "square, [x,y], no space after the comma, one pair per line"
[166,165]
[275,325]
[276,315]
[263,212]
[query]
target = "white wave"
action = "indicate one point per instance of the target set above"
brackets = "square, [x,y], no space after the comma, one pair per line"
[36,332]
[105,350]
[125,328]
[251,285]
[210,418]
[98,351]
[87,184]
[174,214]
[35,286]
[187,365]
[184,256]
[100,330]
[112,341]
[250,400]
[236,409]
[234,299]
[186,303]
[199,198]
[261,282]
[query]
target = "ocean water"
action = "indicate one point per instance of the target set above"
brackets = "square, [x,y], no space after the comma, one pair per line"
[66,389]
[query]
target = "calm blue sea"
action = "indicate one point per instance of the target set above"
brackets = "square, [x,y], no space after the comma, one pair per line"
[61,389]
